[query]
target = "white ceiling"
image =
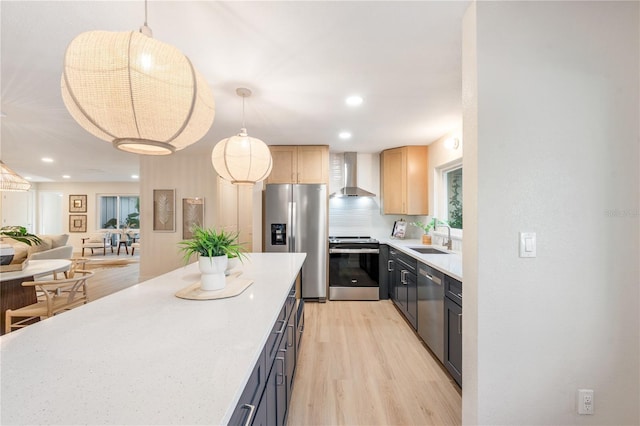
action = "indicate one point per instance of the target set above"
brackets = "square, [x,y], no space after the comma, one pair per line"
[300,59]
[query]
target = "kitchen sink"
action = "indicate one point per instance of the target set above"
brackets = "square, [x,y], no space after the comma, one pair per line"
[428,250]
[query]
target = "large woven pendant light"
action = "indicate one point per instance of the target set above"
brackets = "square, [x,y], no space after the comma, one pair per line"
[241,159]
[142,95]
[11,181]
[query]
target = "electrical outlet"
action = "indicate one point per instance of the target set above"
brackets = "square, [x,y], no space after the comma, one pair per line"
[585,401]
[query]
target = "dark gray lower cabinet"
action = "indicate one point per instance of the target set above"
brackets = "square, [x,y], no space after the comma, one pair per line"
[265,399]
[384,269]
[453,328]
[405,286]
[299,326]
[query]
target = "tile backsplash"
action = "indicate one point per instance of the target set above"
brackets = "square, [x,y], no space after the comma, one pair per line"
[358,216]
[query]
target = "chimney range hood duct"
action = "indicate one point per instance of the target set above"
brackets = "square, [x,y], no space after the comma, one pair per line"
[350,170]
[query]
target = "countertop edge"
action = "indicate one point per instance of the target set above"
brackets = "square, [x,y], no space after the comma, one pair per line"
[449,264]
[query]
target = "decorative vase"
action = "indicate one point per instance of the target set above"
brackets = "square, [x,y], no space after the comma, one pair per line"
[426,239]
[212,272]
[6,253]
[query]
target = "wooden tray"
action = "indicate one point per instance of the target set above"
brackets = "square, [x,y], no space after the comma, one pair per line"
[12,267]
[234,287]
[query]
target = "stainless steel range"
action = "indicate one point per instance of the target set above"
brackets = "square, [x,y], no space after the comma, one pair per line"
[353,268]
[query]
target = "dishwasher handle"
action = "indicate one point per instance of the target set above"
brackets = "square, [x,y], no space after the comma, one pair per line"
[434,278]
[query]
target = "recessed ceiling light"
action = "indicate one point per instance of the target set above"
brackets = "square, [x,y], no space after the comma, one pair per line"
[354,100]
[134,176]
[66,177]
[344,135]
[47,160]
[28,177]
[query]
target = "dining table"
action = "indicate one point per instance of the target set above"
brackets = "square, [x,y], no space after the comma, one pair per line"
[13,295]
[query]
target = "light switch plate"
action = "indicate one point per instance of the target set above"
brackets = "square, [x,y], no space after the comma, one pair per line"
[527,244]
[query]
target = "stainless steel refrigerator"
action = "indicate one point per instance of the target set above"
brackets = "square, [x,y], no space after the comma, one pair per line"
[296,221]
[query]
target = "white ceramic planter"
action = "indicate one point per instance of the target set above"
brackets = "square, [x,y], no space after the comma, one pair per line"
[232,263]
[212,272]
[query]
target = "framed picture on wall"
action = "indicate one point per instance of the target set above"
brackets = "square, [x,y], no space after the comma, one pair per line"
[77,223]
[192,215]
[77,203]
[164,210]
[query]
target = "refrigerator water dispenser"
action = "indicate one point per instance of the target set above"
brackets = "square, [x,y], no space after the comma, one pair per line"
[278,234]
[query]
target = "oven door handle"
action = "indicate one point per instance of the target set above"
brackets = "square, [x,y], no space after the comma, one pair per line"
[363,250]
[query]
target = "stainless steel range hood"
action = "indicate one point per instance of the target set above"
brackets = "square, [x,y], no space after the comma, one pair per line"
[350,173]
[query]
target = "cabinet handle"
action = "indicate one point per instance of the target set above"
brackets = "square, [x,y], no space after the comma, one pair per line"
[460,295]
[459,323]
[403,276]
[284,325]
[290,344]
[252,409]
[280,358]
[390,265]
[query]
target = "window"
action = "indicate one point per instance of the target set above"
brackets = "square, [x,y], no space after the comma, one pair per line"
[119,211]
[452,180]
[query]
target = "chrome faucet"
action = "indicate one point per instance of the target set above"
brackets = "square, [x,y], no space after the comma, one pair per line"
[448,241]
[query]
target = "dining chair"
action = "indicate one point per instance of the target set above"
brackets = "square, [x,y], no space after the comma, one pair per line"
[77,263]
[56,296]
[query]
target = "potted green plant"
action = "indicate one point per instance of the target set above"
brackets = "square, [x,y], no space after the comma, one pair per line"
[18,233]
[213,248]
[426,228]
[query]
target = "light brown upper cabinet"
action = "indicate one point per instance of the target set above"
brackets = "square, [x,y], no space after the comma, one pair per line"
[299,164]
[403,174]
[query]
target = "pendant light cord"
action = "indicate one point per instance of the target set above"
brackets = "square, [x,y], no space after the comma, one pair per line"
[144,29]
[243,126]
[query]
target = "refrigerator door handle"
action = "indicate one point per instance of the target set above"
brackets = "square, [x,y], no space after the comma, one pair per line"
[292,226]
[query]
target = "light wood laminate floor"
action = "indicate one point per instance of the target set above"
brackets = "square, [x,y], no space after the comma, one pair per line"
[361,364]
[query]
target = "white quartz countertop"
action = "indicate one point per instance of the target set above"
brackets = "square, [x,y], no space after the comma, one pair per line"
[450,264]
[144,356]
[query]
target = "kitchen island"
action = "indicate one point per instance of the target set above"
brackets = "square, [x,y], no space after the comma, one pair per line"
[144,356]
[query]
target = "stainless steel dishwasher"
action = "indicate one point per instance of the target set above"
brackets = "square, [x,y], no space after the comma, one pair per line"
[431,308]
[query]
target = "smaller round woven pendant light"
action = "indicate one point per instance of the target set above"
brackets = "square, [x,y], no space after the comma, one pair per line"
[142,95]
[242,159]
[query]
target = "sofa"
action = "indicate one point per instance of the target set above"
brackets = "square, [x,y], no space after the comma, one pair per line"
[51,247]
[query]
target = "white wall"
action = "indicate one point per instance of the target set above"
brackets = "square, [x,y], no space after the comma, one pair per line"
[441,156]
[18,209]
[191,175]
[92,190]
[556,153]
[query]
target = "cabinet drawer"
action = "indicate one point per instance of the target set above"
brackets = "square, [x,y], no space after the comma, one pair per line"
[291,302]
[404,261]
[453,289]
[278,330]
